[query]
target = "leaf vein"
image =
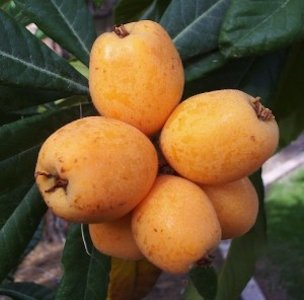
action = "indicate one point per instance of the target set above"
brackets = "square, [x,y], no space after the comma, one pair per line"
[70,26]
[41,70]
[190,26]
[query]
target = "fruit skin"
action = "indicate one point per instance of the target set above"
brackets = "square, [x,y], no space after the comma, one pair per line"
[175,225]
[115,238]
[108,166]
[216,137]
[236,205]
[139,78]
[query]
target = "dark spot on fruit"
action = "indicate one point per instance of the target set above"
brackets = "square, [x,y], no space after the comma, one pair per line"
[62,170]
[155,230]
[75,160]
[252,137]
[121,203]
[96,68]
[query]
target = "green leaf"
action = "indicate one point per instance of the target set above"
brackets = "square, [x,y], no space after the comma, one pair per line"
[69,23]
[80,67]
[228,76]
[191,293]
[19,229]
[18,169]
[26,291]
[205,281]
[255,27]
[25,61]
[263,76]
[15,98]
[243,253]
[202,65]
[196,31]
[288,104]
[257,76]
[8,117]
[130,10]
[85,277]
[10,199]
[155,10]
[28,132]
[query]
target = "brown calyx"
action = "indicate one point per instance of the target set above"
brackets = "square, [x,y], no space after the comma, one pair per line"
[205,261]
[262,112]
[59,182]
[120,30]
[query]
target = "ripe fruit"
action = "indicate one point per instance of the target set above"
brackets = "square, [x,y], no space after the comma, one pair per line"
[236,205]
[136,75]
[95,169]
[175,225]
[219,136]
[115,238]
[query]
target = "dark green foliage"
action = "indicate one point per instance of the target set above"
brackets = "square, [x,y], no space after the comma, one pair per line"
[26,291]
[68,23]
[19,229]
[205,281]
[25,61]
[256,27]
[86,275]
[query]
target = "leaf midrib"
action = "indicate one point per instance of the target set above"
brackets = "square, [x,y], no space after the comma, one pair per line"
[71,28]
[180,34]
[44,71]
[249,32]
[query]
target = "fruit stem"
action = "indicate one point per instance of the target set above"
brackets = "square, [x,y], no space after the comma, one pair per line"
[262,112]
[120,30]
[59,182]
